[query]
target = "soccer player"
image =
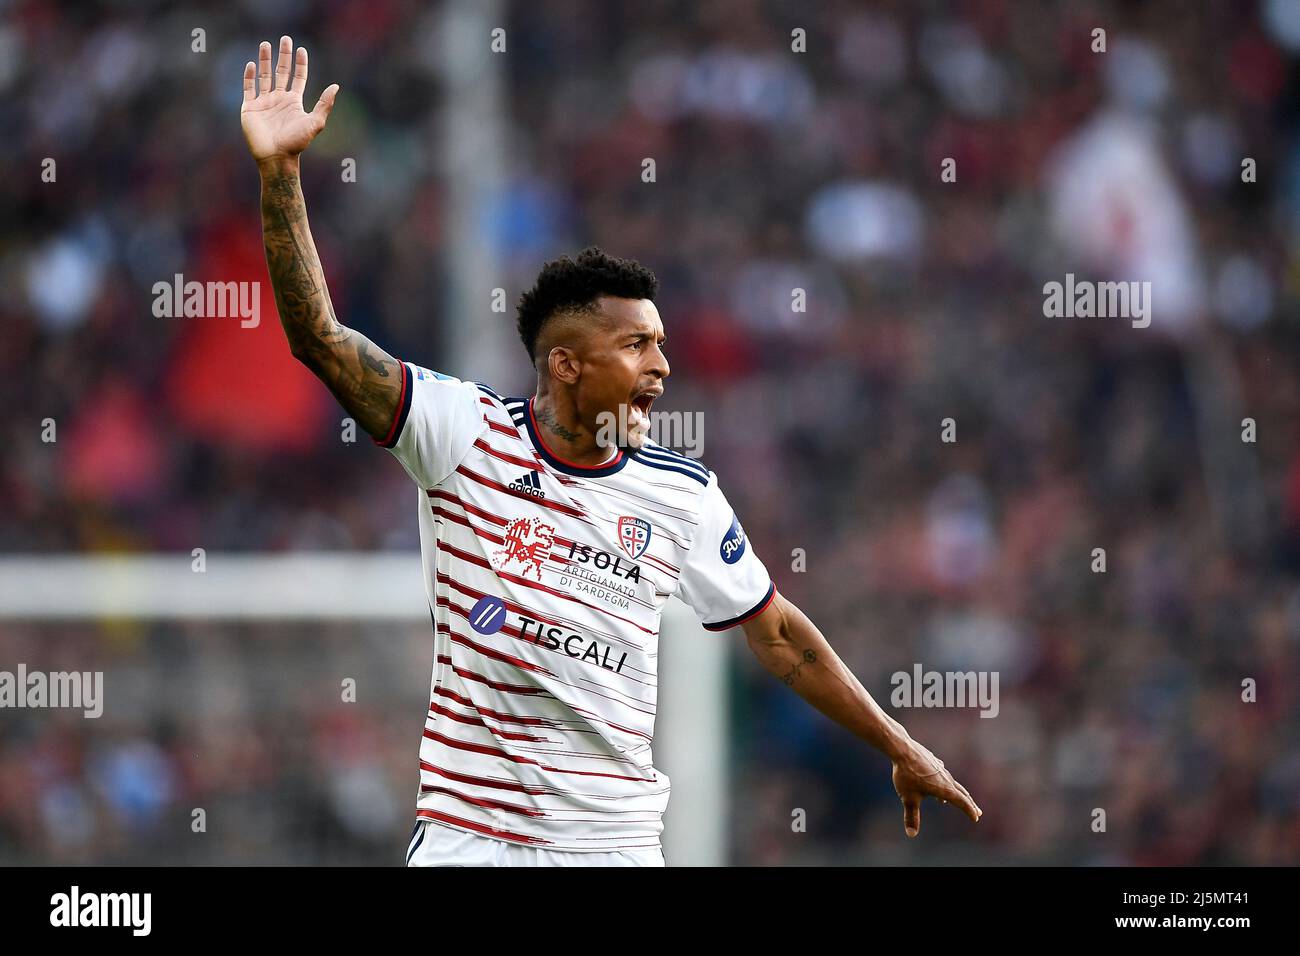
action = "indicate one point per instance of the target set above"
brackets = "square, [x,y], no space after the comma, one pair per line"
[548,551]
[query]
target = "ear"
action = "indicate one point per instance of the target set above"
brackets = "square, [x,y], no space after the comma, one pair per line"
[564,365]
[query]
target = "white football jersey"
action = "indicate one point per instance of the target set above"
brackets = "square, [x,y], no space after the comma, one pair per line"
[546,581]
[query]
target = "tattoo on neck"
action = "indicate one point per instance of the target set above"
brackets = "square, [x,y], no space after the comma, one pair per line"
[547,418]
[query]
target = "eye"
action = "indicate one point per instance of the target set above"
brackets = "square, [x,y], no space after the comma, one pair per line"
[636,345]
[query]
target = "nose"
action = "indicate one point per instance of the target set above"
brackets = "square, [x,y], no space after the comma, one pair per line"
[660,366]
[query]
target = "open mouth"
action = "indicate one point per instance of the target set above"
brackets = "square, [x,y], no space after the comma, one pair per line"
[638,418]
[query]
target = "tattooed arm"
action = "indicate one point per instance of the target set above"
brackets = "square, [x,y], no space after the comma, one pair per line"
[792,648]
[363,377]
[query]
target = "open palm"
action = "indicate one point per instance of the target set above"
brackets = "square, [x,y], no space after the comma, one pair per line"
[275,124]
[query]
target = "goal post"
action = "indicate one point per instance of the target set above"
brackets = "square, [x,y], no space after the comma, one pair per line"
[691,735]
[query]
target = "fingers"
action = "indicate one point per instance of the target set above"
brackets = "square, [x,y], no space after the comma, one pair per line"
[955,792]
[263,67]
[963,800]
[282,64]
[912,814]
[250,89]
[325,103]
[290,70]
[975,806]
[299,82]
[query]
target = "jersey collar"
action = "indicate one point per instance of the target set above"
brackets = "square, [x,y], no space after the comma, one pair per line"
[610,467]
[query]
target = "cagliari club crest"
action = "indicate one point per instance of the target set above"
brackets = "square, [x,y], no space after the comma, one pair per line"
[633,535]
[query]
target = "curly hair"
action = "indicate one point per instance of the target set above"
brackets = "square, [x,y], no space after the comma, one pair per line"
[565,285]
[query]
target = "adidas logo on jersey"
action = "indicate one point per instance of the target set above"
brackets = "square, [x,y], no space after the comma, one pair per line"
[529,484]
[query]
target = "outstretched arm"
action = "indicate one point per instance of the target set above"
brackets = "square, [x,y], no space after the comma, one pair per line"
[363,377]
[790,647]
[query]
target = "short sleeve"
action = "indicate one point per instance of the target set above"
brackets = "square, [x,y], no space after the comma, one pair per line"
[723,579]
[437,422]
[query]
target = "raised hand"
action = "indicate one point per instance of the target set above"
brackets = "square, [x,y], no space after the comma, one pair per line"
[274,121]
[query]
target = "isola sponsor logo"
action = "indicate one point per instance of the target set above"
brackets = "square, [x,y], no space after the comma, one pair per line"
[733,543]
[526,541]
[572,643]
[586,554]
[599,574]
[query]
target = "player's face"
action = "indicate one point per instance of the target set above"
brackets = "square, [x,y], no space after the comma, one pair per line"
[624,368]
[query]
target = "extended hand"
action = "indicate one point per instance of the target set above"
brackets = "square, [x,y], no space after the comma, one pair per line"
[274,121]
[921,773]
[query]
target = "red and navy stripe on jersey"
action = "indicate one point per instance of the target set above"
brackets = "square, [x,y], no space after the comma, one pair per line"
[546,580]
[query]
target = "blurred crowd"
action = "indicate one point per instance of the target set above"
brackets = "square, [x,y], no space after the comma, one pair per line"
[1163,149]
[256,744]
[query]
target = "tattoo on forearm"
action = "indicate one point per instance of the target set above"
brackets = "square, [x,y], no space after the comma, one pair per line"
[547,418]
[809,657]
[295,270]
[362,382]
